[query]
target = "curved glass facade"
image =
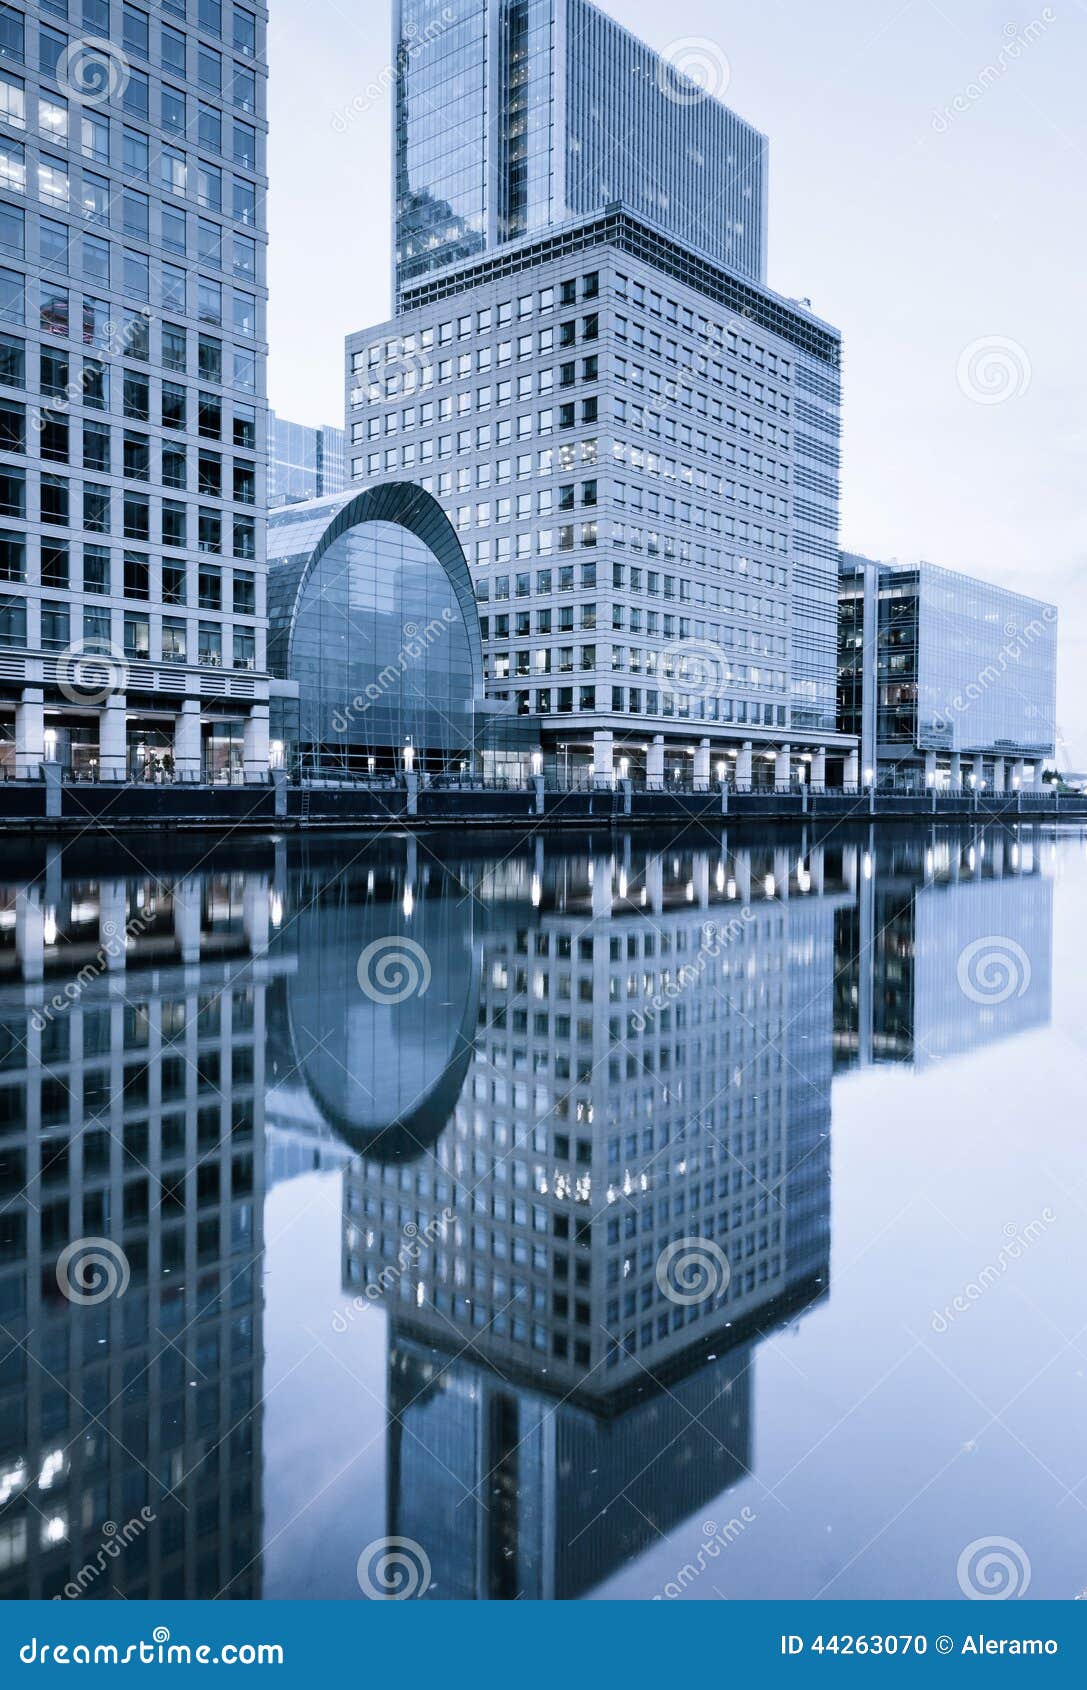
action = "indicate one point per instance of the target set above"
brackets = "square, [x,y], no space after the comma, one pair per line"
[372,613]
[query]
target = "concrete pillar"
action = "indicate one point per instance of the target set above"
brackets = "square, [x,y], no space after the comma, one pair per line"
[1017,773]
[743,768]
[29,734]
[783,768]
[112,919]
[255,744]
[930,770]
[654,882]
[113,738]
[1039,771]
[977,770]
[818,870]
[602,879]
[998,774]
[255,913]
[743,876]
[702,766]
[187,911]
[781,875]
[30,933]
[852,774]
[819,770]
[955,775]
[654,765]
[701,878]
[603,757]
[187,741]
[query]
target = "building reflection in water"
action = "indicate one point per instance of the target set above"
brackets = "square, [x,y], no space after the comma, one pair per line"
[609,1052]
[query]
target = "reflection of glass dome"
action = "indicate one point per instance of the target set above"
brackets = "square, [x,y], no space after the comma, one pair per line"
[371,610]
[384,1075]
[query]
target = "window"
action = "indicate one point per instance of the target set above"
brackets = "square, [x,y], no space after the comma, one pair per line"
[135,154]
[12,361]
[12,556]
[56,626]
[95,569]
[12,616]
[209,125]
[12,231]
[245,593]
[95,199]
[96,512]
[136,95]
[173,639]
[173,523]
[209,359]
[173,109]
[173,405]
[137,457]
[174,583]
[137,576]
[137,635]
[245,649]
[54,500]
[96,453]
[12,426]
[54,564]
[245,427]
[245,32]
[137,395]
[173,49]
[94,136]
[174,353]
[245,145]
[137,516]
[135,31]
[245,537]
[12,296]
[136,214]
[173,466]
[95,259]
[12,97]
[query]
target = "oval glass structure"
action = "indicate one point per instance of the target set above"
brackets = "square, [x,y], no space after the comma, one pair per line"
[372,612]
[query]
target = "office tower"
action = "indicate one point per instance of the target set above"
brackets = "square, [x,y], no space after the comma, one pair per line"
[513,116]
[946,680]
[636,440]
[303,462]
[132,156]
[132,1045]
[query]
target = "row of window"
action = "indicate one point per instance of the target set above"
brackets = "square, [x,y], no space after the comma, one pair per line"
[636,702]
[61,252]
[93,321]
[141,577]
[154,639]
[216,530]
[88,383]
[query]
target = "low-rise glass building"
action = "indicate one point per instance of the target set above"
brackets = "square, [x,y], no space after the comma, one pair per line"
[945,680]
[372,615]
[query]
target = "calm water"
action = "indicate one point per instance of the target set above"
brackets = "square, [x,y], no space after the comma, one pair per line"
[648,1217]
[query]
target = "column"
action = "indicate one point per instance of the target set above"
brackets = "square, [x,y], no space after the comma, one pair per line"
[1039,771]
[930,770]
[702,766]
[255,908]
[818,870]
[783,769]
[853,769]
[187,741]
[113,738]
[602,883]
[255,744]
[29,734]
[701,878]
[955,774]
[1017,773]
[30,933]
[781,874]
[998,774]
[654,764]
[977,771]
[113,923]
[654,882]
[187,916]
[819,770]
[743,876]
[743,768]
[603,757]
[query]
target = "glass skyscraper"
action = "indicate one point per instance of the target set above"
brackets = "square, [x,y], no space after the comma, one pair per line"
[636,440]
[303,462]
[515,115]
[132,187]
[946,680]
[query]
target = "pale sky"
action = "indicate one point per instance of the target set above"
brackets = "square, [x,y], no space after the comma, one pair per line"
[919,235]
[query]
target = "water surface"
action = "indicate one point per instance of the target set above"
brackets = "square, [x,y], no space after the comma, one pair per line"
[684,1217]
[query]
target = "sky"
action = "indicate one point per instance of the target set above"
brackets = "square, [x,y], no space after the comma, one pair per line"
[928,173]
